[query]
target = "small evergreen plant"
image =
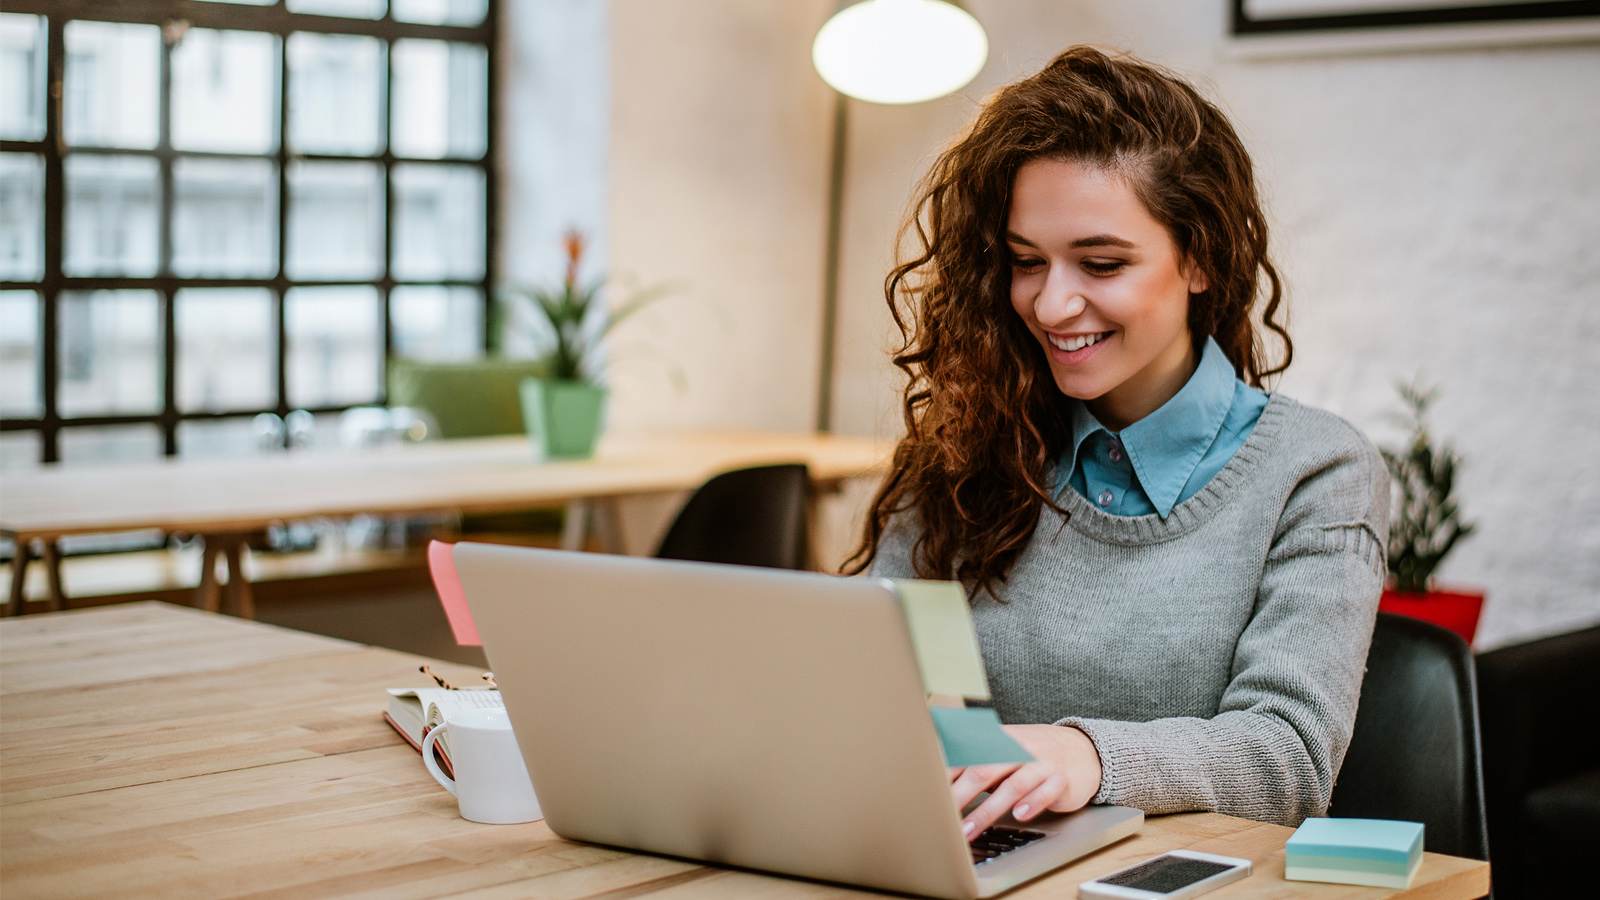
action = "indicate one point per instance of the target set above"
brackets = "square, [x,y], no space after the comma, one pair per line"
[1427,522]
[570,321]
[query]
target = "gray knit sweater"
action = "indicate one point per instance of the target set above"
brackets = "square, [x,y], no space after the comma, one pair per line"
[1214,657]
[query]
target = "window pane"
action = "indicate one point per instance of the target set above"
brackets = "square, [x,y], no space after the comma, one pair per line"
[113,74]
[20,324]
[110,345]
[335,353]
[437,323]
[224,217]
[336,93]
[109,444]
[225,360]
[438,222]
[355,9]
[22,67]
[440,99]
[112,209]
[441,12]
[21,217]
[224,91]
[335,220]
[19,450]
[218,437]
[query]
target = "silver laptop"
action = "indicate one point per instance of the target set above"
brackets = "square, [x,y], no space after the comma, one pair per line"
[759,718]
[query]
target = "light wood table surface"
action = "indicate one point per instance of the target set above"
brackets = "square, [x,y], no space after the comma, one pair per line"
[227,499]
[149,750]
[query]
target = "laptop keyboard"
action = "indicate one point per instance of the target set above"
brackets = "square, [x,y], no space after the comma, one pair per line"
[999,840]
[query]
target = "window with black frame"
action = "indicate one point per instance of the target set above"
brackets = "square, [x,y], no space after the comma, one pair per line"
[215,210]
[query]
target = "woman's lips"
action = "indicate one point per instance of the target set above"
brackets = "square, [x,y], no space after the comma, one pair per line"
[1059,351]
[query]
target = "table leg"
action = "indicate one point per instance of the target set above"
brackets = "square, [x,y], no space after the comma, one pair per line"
[608,521]
[575,527]
[52,570]
[239,596]
[208,595]
[19,575]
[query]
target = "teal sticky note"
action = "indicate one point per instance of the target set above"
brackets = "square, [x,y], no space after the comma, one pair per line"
[946,644]
[973,737]
[1387,840]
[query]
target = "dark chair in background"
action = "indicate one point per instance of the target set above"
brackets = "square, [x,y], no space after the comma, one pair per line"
[1414,755]
[1541,764]
[749,517]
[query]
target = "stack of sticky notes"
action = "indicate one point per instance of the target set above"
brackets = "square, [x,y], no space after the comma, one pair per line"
[1377,852]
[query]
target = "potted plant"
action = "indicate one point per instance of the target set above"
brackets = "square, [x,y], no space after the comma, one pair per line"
[564,404]
[1426,526]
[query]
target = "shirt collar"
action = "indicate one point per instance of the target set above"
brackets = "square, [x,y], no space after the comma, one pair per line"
[1166,446]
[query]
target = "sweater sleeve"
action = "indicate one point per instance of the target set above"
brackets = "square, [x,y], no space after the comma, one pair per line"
[1285,719]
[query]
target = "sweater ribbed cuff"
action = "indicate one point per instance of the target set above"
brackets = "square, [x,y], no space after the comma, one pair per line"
[1103,746]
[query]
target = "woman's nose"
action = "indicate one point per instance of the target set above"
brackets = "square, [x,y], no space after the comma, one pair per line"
[1058,301]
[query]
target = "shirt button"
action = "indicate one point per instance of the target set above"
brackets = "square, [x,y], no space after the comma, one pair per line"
[1105,498]
[1115,452]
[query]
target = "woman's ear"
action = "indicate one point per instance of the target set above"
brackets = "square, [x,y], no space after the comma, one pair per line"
[1198,282]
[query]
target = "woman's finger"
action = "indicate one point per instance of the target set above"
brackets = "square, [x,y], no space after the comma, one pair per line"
[974,780]
[1040,798]
[1002,798]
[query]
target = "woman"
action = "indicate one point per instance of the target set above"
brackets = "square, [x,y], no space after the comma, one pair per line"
[1174,575]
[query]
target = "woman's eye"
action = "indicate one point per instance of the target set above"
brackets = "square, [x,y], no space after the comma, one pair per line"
[1103,266]
[1026,264]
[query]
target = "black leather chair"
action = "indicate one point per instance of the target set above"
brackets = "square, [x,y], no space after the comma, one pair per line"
[1414,755]
[750,517]
[1540,703]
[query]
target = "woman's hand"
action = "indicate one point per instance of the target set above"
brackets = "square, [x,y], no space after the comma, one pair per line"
[1064,776]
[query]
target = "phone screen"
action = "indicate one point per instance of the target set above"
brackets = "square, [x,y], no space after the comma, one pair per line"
[1166,874]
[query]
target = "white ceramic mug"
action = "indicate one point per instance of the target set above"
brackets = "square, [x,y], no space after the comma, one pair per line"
[491,782]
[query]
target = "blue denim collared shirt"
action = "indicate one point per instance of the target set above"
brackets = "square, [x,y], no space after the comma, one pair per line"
[1168,456]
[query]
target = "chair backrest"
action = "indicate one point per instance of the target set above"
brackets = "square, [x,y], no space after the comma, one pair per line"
[1415,753]
[750,517]
[1540,703]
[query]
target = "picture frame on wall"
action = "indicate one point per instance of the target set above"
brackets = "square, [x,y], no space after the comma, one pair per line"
[1283,17]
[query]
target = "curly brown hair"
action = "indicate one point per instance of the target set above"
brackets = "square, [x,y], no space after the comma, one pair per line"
[984,418]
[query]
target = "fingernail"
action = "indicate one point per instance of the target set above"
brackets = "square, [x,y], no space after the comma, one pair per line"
[966,828]
[1020,810]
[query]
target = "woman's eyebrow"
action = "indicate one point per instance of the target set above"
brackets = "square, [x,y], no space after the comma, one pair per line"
[1095,240]
[1103,240]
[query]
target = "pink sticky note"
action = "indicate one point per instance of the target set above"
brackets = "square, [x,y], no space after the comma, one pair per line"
[442,565]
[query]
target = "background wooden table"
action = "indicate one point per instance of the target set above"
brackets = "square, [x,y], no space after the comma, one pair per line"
[157,751]
[223,500]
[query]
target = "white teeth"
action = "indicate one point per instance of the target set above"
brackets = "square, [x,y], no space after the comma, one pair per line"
[1077,342]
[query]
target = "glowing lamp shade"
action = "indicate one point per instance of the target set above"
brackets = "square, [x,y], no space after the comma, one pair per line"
[899,51]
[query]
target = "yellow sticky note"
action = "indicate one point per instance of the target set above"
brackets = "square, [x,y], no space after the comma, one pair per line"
[946,644]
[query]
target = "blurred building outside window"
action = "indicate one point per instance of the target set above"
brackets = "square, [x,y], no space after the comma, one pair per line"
[256,207]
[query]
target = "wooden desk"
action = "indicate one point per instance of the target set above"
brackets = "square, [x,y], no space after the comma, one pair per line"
[224,500]
[152,750]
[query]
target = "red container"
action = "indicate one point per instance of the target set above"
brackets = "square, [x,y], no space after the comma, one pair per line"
[1455,610]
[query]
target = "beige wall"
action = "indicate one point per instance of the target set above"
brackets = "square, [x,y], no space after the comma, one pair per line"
[1435,212]
[717,184]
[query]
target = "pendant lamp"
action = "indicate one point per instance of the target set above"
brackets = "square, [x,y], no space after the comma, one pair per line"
[899,51]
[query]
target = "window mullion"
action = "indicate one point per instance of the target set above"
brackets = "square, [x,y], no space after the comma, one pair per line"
[281,281]
[54,224]
[491,206]
[386,287]
[170,34]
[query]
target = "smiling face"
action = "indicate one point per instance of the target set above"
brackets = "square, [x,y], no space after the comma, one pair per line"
[1102,287]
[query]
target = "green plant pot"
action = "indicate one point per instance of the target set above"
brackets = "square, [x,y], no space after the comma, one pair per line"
[562,417]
